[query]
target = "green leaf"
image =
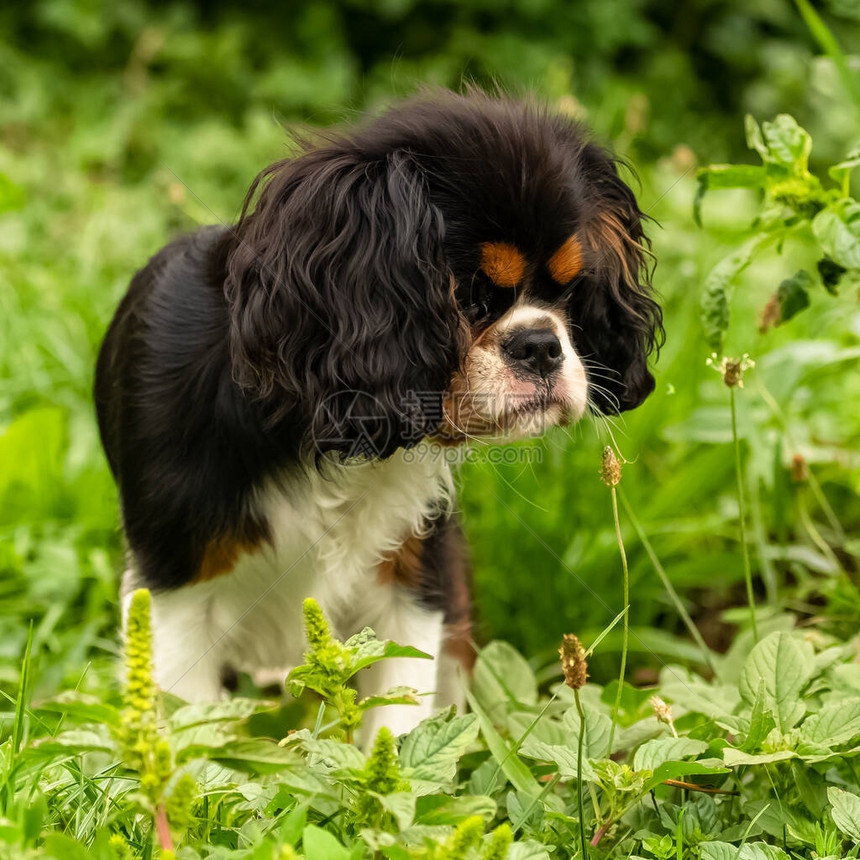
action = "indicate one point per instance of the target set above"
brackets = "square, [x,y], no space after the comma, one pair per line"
[232,710]
[787,144]
[754,137]
[760,723]
[336,755]
[734,175]
[252,755]
[562,756]
[733,757]
[835,724]
[837,230]
[528,849]
[94,739]
[367,649]
[718,851]
[319,844]
[680,769]
[502,677]
[441,809]
[784,665]
[762,851]
[719,287]
[507,759]
[653,753]
[394,696]
[793,294]
[845,809]
[81,707]
[433,748]
[598,727]
[401,804]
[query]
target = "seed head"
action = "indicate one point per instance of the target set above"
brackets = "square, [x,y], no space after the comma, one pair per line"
[573,662]
[610,470]
[731,369]
[799,469]
[663,712]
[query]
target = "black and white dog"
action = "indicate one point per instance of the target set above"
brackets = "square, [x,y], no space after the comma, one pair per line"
[462,267]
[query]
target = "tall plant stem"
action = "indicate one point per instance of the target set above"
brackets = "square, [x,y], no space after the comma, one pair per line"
[625,630]
[583,841]
[664,578]
[739,476]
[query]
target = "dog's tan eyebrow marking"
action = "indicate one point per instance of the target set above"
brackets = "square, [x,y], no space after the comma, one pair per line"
[565,264]
[502,263]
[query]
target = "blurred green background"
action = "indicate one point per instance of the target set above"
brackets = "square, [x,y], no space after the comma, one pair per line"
[124,123]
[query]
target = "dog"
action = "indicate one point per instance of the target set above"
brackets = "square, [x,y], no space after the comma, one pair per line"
[272,396]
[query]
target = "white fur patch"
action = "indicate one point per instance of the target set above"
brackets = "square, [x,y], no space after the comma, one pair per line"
[330,533]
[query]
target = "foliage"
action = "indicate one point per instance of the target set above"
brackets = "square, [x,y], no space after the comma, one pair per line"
[757,762]
[792,200]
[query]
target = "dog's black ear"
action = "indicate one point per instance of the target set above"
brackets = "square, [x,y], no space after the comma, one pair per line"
[341,300]
[617,322]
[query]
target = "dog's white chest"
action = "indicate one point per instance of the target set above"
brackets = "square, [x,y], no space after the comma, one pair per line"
[328,539]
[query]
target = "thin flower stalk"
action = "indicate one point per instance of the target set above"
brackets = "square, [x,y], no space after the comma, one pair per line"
[742,514]
[611,476]
[732,372]
[667,584]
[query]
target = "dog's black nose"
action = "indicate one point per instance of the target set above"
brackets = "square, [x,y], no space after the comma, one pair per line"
[537,350]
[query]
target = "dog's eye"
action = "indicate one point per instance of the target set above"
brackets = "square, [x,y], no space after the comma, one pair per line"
[481,305]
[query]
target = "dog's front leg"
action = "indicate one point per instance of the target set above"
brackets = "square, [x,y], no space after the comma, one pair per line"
[406,622]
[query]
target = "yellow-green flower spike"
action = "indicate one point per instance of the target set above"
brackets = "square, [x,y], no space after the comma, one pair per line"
[500,841]
[383,770]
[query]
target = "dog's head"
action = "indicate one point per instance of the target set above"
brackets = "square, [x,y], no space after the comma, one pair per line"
[462,266]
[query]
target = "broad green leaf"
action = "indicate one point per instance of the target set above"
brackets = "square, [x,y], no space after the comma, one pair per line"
[81,707]
[254,755]
[528,849]
[762,851]
[837,229]
[787,143]
[433,748]
[734,758]
[563,756]
[681,769]
[502,677]
[336,755]
[598,727]
[835,724]
[367,649]
[718,851]
[233,710]
[394,696]
[74,741]
[401,804]
[58,846]
[784,665]
[319,844]
[443,809]
[653,753]
[845,809]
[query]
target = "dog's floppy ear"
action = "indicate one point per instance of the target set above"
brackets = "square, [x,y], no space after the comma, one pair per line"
[341,301]
[617,322]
